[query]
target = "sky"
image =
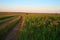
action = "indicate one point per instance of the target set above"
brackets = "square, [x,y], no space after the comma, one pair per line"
[40,6]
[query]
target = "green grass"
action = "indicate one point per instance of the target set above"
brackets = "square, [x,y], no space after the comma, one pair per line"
[6,17]
[40,28]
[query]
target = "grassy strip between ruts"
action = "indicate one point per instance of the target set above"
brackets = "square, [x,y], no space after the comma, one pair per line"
[41,28]
[7,29]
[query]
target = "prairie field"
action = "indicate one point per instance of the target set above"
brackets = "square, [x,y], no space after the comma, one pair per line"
[29,26]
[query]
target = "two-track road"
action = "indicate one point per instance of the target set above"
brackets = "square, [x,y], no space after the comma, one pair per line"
[13,34]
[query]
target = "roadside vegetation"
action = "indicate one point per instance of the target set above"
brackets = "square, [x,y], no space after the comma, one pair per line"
[41,28]
[6,17]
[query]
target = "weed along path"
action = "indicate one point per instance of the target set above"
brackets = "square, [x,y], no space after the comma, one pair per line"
[14,32]
[5,20]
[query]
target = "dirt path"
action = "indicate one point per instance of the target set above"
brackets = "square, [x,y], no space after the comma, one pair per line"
[3,25]
[22,23]
[14,33]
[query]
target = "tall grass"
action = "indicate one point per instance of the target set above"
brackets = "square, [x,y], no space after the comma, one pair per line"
[41,28]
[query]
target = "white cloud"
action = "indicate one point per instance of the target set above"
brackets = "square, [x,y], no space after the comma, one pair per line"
[30,9]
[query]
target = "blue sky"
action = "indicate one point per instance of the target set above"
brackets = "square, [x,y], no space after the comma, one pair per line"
[30,5]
